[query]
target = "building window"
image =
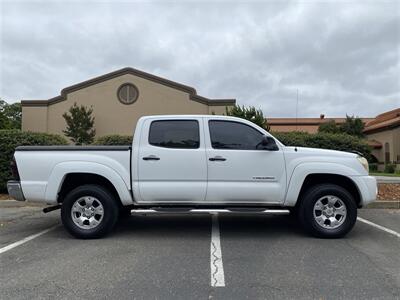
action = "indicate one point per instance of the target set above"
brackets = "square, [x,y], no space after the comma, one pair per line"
[387,153]
[127,93]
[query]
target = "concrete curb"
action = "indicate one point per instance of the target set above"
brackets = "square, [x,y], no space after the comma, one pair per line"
[387,179]
[394,204]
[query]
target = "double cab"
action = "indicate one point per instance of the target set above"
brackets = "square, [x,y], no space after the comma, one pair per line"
[190,163]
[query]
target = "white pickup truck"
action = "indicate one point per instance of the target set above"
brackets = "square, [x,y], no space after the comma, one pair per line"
[189,164]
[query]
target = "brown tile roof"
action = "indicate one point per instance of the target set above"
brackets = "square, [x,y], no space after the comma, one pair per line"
[384,121]
[308,121]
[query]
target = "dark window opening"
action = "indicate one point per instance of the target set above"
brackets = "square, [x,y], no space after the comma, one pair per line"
[387,153]
[234,135]
[181,134]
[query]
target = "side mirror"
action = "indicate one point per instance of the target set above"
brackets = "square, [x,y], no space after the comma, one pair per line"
[269,143]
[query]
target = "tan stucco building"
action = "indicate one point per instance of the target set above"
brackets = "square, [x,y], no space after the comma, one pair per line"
[309,125]
[384,132]
[118,100]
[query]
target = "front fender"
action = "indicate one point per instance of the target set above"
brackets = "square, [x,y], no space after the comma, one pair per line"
[302,170]
[61,170]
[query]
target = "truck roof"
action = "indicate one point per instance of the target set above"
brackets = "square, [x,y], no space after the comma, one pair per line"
[191,116]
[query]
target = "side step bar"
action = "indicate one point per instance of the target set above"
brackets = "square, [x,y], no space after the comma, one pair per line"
[235,210]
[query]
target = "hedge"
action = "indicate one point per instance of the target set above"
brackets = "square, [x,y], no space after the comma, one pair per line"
[334,141]
[114,139]
[10,139]
[340,141]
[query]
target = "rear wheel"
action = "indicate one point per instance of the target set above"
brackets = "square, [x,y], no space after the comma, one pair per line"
[89,211]
[328,211]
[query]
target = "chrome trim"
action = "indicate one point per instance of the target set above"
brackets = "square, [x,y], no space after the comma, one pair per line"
[15,191]
[211,211]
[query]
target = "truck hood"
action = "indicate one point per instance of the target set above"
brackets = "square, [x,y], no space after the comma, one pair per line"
[319,152]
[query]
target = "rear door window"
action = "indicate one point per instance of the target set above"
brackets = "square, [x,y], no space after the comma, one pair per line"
[178,134]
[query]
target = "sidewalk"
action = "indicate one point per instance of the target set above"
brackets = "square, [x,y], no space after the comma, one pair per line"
[387,179]
[385,204]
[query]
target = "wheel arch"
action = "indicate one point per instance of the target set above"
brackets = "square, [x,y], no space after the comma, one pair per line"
[307,174]
[340,180]
[68,175]
[74,180]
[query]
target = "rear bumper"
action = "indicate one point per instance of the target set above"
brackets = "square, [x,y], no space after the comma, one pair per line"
[15,191]
[368,188]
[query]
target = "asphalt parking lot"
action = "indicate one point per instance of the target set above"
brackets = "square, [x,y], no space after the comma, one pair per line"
[170,257]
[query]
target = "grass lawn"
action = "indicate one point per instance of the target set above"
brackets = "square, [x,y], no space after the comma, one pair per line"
[384,174]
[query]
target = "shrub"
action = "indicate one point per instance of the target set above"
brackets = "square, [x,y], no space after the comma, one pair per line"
[330,127]
[390,168]
[373,167]
[10,139]
[341,142]
[114,139]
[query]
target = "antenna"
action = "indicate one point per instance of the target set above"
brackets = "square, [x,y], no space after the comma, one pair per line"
[297,109]
[297,106]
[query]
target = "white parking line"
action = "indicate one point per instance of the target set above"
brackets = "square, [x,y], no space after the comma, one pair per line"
[379,227]
[27,239]
[217,268]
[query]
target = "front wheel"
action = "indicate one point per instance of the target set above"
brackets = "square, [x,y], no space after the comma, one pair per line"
[328,211]
[89,211]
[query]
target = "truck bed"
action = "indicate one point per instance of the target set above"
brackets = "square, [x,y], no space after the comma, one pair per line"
[73,148]
[42,169]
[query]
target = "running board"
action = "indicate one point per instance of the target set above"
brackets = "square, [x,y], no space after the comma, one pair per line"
[235,210]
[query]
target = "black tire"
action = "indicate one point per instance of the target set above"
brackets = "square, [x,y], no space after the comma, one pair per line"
[306,211]
[109,217]
[125,212]
[294,211]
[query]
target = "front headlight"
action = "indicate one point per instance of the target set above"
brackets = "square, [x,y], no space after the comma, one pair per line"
[364,162]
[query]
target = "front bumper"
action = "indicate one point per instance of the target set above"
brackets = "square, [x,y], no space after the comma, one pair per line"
[15,191]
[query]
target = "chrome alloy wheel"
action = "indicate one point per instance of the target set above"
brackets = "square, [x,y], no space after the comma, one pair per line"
[87,212]
[330,212]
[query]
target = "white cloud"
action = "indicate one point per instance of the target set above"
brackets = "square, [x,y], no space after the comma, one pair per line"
[344,57]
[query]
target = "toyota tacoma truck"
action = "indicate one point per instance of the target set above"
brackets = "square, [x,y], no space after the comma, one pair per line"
[189,164]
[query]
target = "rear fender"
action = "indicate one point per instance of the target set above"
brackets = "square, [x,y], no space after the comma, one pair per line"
[61,170]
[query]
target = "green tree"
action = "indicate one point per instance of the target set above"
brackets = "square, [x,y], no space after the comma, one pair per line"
[10,115]
[4,122]
[80,124]
[249,113]
[353,126]
[329,127]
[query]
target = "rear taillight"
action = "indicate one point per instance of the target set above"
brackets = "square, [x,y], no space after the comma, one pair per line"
[14,169]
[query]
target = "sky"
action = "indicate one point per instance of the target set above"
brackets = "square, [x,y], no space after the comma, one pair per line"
[343,57]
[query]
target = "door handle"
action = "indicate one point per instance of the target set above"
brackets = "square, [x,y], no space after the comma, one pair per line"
[217,158]
[151,157]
